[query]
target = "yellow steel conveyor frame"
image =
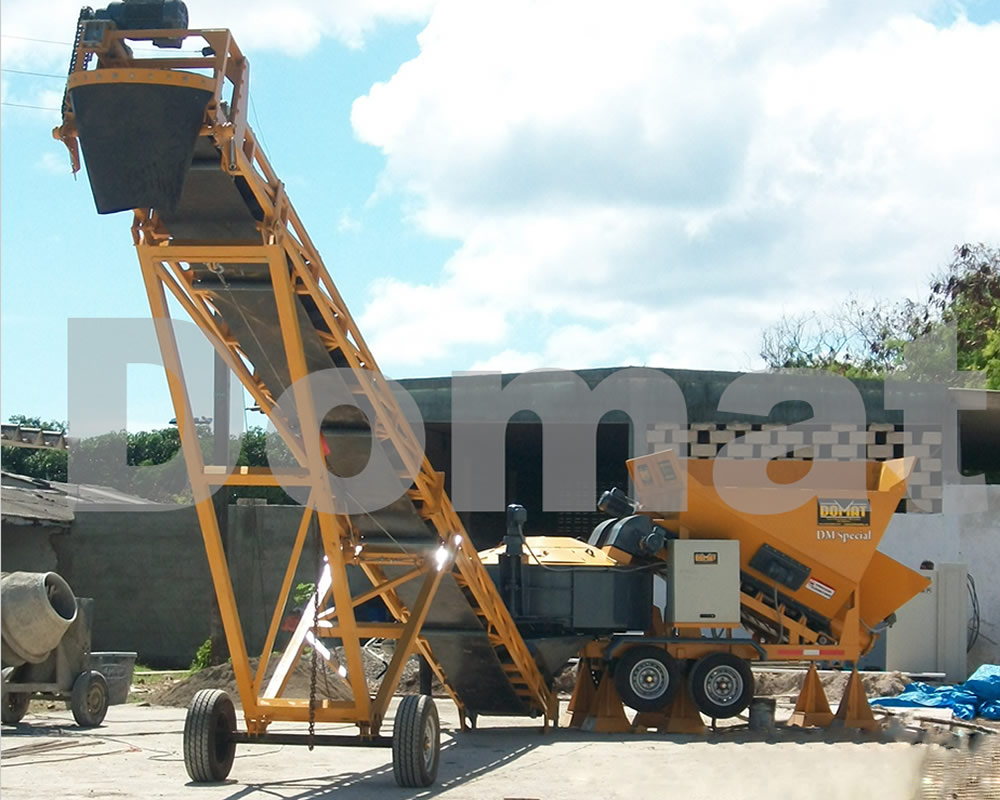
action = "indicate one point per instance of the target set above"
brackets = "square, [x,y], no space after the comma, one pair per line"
[296,269]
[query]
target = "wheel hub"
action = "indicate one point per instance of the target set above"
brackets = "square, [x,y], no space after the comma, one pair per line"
[649,679]
[94,698]
[429,738]
[723,685]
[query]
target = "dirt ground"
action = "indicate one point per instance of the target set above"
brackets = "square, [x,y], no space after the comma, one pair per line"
[137,753]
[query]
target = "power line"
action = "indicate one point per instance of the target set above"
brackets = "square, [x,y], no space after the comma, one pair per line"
[30,39]
[253,110]
[70,44]
[25,105]
[36,74]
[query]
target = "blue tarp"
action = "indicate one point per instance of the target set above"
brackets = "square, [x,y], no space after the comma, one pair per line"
[979,696]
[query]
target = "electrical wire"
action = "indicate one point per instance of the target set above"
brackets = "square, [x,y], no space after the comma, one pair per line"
[975,618]
[25,105]
[368,514]
[179,52]
[258,129]
[34,74]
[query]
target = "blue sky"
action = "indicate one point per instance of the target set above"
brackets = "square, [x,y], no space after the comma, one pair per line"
[61,259]
[546,185]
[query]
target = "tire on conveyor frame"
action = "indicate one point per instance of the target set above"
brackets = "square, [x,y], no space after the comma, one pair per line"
[416,742]
[209,748]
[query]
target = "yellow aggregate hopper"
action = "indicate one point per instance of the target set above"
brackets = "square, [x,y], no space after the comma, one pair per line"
[812,582]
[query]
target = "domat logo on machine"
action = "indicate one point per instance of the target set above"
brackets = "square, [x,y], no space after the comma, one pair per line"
[843,512]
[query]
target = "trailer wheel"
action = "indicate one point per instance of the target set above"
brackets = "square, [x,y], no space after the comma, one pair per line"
[89,699]
[646,678]
[416,742]
[721,685]
[209,748]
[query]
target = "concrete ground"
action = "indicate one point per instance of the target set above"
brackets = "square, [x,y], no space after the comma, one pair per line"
[137,753]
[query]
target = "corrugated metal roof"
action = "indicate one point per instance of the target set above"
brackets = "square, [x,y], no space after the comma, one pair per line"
[34,505]
[34,500]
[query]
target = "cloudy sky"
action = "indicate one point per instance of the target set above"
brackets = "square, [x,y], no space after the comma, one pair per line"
[546,184]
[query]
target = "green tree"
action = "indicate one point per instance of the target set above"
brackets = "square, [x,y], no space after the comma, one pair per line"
[254,446]
[165,478]
[967,295]
[867,339]
[858,340]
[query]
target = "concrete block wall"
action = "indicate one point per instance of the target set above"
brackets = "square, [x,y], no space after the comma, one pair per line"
[876,442]
[148,574]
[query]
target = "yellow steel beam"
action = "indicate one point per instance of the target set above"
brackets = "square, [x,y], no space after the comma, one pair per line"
[282,599]
[201,317]
[332,529]
[405,645]
[255,476]
[389,585]
[203,498]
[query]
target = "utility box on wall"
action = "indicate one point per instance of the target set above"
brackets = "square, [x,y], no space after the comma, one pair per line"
[931,630]
[703,583]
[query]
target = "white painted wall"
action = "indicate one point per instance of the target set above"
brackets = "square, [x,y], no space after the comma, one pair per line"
[971,538]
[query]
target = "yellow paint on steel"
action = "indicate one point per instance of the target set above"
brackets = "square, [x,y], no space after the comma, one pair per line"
[204,319]
[297,269]
[554,550]
[255,476]
[195,466]
[144,75]
[407,641]
[396,607]
[832,529]
[286,585]
[390,585]
[307,414]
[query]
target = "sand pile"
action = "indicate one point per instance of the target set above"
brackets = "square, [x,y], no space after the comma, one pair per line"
[777,682]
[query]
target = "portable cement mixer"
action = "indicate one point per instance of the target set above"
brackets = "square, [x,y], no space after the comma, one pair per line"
[46,648]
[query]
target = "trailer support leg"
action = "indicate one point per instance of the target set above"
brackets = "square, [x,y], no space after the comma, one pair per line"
[854,711]
[812,707]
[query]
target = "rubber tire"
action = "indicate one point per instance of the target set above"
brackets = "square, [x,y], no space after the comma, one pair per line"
[209,748]
[89,699]
[623,677]
[14,707]
[701,671]
[410,767]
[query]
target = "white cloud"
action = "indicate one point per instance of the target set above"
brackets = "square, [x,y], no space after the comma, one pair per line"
[54,163]
[292,26]
[348,223]
[655,184]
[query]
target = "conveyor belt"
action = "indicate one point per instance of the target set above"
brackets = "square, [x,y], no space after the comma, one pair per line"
[204,205]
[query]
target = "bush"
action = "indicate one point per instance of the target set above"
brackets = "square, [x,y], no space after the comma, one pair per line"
[203,657]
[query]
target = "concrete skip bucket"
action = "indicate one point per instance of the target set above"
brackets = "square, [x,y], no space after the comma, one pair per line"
[810,570]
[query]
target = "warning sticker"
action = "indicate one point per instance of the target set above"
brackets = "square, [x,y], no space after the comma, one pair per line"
[706,558]
[824,591]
